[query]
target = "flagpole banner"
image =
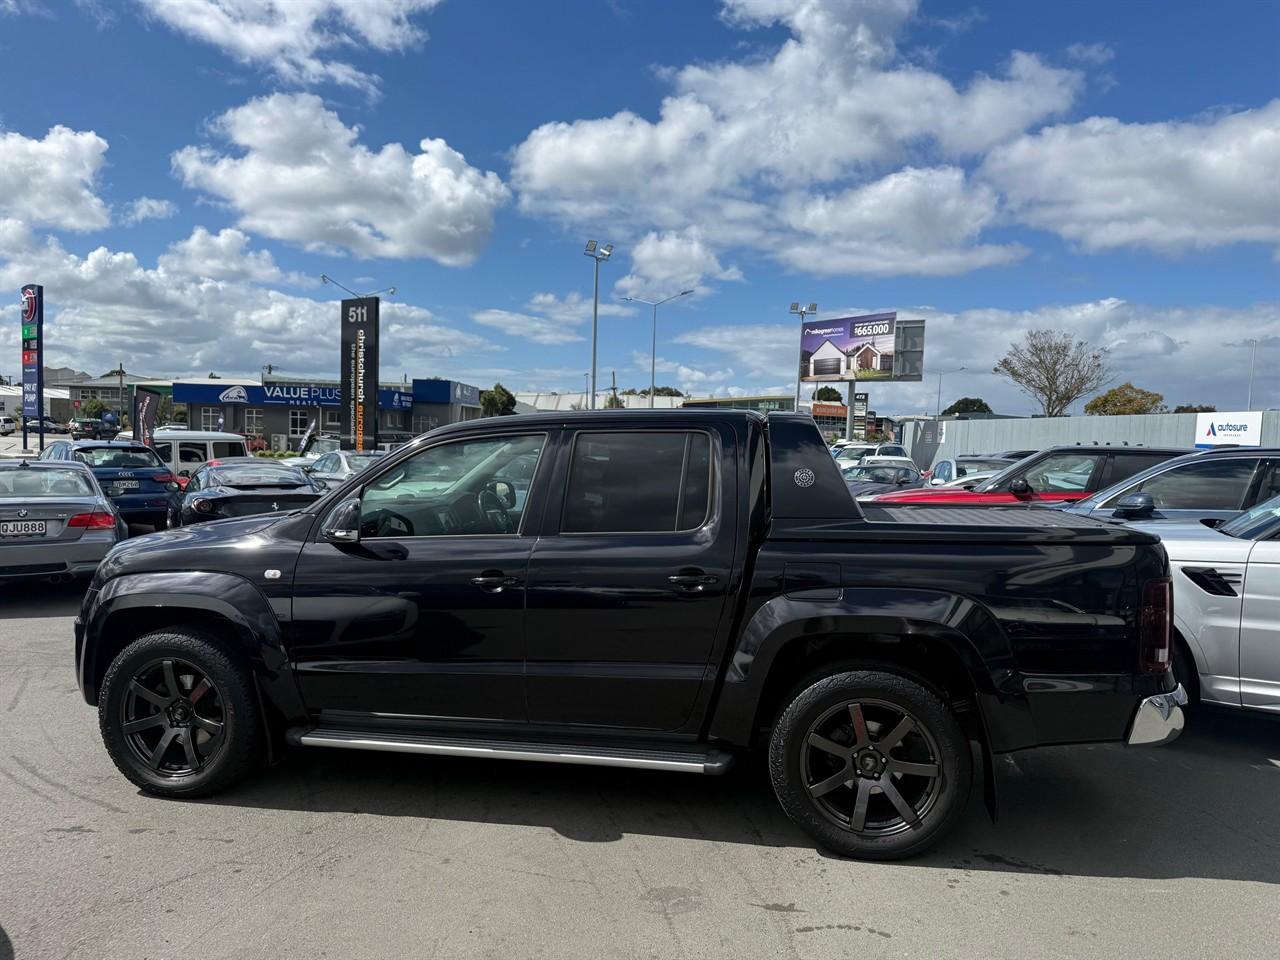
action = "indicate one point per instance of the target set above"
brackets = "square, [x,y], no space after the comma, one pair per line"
[146,409]
[358,414]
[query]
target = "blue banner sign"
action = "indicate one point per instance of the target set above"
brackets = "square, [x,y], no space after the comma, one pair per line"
[291,395]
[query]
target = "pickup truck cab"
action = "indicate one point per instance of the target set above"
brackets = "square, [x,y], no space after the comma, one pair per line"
[654,589]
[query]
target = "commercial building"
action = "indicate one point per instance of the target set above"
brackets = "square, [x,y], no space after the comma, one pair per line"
[280,410]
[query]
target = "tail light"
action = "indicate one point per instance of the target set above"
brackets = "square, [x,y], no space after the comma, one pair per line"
[93,521]
[1155,625]
[165,478]
[202,506]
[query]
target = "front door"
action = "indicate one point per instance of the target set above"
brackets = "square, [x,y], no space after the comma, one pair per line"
[423,616]
[627,585]
[1260,629]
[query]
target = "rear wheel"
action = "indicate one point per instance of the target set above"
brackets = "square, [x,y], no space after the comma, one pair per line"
[870,764]
[178,716]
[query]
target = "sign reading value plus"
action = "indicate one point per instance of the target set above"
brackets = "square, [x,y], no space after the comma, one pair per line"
[1229,429]
[32,316]
[359,384]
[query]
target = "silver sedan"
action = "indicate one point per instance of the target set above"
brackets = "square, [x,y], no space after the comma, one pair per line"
[336,466]
[55,521]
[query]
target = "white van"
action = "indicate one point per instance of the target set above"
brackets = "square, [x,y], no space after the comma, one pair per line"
[7,426]
[186,451]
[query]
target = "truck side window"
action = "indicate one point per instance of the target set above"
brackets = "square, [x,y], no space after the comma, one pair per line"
[638,482]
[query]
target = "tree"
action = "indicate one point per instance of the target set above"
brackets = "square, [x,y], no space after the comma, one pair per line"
[213,376]
[828,395]
[614,402]
[1125,399]
[1054,369]
[93,408]
[1195,408]
[498,402]
[968,405]
[661,391]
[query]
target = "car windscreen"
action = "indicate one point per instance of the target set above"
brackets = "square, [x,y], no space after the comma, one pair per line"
[871,474]
[28,484]
[256,475]
[1255,523]
[122,457]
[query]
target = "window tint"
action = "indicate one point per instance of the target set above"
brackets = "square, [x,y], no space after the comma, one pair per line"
[1271,483]
[891,451]
[228,448]
[163,450]
[638,483]
[191,453]
[119,457]
[451,489]
[27,484]
[943,471]
[1061,472]
[1199,485]
[1125,465]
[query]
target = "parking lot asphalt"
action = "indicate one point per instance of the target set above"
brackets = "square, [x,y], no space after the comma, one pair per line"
[1099,852]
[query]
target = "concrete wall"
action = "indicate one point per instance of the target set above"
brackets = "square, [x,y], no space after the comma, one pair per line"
[961,437]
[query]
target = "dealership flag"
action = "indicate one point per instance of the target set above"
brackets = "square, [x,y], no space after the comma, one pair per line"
[146,407]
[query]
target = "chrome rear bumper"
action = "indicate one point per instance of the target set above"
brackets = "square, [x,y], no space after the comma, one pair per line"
[1158,719]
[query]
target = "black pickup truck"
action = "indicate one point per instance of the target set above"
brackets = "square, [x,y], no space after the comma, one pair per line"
[661,590]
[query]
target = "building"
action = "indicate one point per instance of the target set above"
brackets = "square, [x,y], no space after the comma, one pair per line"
[57,403]
[115,392]
[280,410]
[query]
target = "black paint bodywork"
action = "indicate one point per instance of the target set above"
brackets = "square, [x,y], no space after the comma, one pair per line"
[1034,611]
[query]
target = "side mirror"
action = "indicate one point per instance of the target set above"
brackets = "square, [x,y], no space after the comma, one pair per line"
[184,473]
[343,523]
[172,487]
[1135,506]
[936,481]
[902,481]
[1019,487]
[320,484]
[505,493]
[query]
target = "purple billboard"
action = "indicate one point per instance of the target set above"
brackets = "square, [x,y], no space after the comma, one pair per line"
[848,348]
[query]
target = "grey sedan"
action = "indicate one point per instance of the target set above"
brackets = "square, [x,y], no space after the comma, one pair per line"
[55,521]
[336,466]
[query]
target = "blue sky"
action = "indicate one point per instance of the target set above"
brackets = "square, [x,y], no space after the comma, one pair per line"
[179,173]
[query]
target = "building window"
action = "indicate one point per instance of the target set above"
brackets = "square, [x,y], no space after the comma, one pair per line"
[394,420]
[297,422]
[332,419]
[253,421]
[423,424]
[209,417]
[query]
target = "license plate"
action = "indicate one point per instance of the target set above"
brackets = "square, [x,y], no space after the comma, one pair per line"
[22,528]
[120,485]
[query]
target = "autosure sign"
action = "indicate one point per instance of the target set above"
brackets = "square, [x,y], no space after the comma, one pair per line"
[1229,429]
[873,347]
[32,317]
[359,381]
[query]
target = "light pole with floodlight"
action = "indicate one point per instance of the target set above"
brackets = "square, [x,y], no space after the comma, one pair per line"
[653,353]
[800,310]
[598,254]
[937,411]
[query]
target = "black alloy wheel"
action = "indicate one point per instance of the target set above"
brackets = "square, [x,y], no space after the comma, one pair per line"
[179,715]
[871,763]
[172,717]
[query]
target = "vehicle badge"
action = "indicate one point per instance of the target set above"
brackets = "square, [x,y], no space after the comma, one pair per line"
[275,506]
[271,574]
[804,477]
[23,512]
[126,473]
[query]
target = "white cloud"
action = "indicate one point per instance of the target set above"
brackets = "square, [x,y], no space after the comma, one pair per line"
[299,174]
[573,307]
[830,111]
[149,208]
[51,182]
[177,319]
[1093,54]
[1169,187]
[692,380]
[663,264]
[538,329]
[220,256]
[294,38]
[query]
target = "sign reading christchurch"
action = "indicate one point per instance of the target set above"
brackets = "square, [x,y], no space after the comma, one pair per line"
[359,384]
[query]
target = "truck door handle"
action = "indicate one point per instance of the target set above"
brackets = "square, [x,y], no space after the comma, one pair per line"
[494,581]
[693,581]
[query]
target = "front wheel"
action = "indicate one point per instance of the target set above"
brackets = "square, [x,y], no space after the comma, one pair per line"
[870,764]
[178,716]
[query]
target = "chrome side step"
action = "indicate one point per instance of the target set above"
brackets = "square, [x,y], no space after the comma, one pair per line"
[700,759]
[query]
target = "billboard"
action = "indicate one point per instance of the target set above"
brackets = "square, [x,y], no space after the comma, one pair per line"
[32,318]
[358,410]
[1229,429]
[876,346]
[146,408]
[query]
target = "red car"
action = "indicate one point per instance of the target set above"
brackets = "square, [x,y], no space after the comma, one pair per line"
[1056,475]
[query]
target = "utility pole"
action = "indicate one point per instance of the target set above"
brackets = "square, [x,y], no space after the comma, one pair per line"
[802,311]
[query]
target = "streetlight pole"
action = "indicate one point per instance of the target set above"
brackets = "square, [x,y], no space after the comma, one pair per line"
[598,254]
[800,310]
[1253,357]
[653,351]
[937,411]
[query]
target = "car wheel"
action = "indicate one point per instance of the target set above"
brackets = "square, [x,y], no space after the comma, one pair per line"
[178,715]
[870,764]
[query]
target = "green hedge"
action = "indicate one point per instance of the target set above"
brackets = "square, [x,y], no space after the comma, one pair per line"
[276,454]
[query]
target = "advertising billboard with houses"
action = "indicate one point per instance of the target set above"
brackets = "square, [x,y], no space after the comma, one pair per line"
[876,346]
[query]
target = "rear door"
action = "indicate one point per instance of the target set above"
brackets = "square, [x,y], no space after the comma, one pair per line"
[627,585]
